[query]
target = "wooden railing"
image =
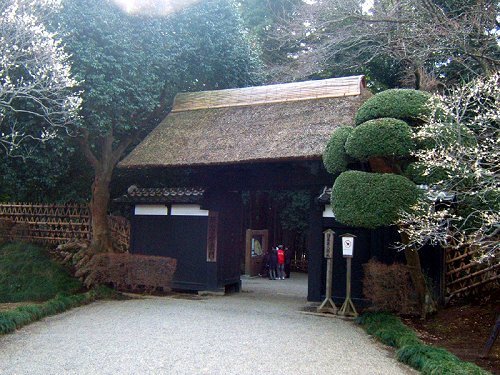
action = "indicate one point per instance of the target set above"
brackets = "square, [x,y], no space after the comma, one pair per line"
[56,224]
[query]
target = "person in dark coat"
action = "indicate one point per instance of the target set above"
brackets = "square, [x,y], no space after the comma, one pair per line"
[273,263]
[264,272]
[288,262]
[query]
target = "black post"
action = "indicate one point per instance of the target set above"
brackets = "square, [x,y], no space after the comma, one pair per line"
[315,250]
[491,340]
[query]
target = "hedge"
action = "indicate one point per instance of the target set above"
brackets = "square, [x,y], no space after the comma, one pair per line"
[23,315]
[335,158]
[380,137]
[411,350]
[371,200]
[403,104]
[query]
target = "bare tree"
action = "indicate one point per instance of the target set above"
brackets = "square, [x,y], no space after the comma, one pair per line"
[35,77]
[418,34]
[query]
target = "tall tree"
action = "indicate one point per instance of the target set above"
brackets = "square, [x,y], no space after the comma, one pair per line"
[449,39]
[262,16]
[36,96]
[54,172]
[131,65]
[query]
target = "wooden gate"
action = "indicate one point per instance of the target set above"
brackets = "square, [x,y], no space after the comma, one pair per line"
[256,248]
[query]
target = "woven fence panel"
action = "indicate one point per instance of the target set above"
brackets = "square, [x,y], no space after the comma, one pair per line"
[464,275]
[120,229]
[55,224]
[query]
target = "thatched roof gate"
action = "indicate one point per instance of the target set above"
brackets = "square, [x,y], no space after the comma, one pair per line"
[272,123]
[252,139]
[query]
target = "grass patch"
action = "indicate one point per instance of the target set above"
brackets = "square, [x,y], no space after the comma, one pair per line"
[28,274]
[411,350]
[23,315]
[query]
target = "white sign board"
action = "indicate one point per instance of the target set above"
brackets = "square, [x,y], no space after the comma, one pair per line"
[347,246]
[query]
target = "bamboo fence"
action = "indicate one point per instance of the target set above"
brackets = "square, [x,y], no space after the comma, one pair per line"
[464,275]
[56,224]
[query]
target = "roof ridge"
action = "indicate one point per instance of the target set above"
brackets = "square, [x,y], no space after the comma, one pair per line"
[276,93]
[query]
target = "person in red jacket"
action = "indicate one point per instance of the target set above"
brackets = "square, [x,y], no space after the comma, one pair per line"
[281,262]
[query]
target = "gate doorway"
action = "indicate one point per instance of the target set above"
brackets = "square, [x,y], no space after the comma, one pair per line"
[256,246]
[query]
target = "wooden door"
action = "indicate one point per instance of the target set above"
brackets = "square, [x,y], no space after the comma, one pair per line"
[256,248]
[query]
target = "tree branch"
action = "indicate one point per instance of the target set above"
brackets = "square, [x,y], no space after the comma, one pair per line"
[122,146]
[87,151]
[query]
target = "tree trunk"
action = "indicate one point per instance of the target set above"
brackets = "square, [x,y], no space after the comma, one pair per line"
[426,302]
[380,164]
[103,171]
[101,234]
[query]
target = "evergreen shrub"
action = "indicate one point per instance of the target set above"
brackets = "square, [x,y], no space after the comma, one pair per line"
[404,104]
[335,158]
[415,172]
[371,200]
[380,137]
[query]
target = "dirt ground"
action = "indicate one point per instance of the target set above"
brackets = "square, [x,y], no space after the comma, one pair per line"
[463,328]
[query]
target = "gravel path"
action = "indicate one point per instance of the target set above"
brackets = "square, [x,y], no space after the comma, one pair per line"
[255,332]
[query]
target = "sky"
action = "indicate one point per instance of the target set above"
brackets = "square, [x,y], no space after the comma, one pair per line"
[164,7]
[158,7]
[367,5]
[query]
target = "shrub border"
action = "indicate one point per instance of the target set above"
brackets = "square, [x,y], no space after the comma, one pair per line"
[411,351]
[24,315]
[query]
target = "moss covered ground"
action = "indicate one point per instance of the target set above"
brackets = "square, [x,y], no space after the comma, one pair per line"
[36,286]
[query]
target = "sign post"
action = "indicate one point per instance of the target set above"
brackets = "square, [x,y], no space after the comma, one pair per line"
[348,252]
[328,305]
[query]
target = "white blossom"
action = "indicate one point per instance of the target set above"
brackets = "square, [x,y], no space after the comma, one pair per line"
[465,128]
[35,74]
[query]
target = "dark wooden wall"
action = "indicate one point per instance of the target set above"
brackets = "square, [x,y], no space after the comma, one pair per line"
[181,237]
[231,238]
[185,239]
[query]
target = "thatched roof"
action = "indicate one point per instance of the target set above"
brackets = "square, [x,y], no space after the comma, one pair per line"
[255,124]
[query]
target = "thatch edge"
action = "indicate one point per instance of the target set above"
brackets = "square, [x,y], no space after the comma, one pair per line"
[239,162]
